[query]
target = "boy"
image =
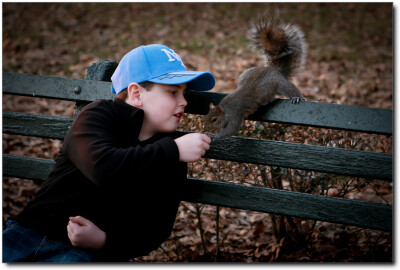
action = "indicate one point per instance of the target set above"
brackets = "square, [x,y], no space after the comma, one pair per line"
[114,191]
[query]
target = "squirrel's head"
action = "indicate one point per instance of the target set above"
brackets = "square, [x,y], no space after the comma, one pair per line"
[213,120]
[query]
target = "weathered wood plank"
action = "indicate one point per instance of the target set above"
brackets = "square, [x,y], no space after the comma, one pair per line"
[303,157]
[307,206]
[273,153]
[316,114]
[27,167]
[55,87]
[51,127]
[354,118]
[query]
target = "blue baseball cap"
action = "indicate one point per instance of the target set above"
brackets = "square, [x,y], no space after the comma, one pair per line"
[159,64]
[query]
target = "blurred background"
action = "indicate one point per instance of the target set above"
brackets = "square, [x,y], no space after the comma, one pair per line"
[349,61]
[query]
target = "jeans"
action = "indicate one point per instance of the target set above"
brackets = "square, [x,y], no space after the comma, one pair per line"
[21,244]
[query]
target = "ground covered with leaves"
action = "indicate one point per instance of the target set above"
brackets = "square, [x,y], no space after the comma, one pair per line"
[349,61]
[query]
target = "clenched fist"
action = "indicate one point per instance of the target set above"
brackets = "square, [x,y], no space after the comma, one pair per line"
[192,146]
[85,234]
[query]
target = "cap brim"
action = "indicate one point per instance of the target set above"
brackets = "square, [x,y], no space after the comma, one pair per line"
[196,80]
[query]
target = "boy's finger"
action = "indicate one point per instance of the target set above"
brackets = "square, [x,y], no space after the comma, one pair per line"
[206,138]
[74,226]
[206,146]
[70,228]
[79,220]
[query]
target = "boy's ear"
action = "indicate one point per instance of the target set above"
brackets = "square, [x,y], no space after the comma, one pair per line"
[134,95]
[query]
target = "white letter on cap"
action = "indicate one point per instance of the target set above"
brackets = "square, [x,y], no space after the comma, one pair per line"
[172,56]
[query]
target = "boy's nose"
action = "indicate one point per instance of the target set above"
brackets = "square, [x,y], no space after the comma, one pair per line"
[182,102]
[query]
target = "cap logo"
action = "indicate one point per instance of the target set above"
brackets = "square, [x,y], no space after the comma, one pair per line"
[173,56]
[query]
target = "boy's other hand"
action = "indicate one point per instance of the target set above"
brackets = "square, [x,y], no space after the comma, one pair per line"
[85,234]
[192,146]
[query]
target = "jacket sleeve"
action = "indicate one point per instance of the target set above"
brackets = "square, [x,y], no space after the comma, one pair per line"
[121,246]
[91,146]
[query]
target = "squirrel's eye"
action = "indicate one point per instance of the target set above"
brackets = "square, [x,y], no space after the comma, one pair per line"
[214,120]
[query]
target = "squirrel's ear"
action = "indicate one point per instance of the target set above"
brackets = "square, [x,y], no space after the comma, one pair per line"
[218,109]
[211,106]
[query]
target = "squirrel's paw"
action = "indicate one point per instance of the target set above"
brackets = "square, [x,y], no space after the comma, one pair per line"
[218,137]
[214,137]
[296,100]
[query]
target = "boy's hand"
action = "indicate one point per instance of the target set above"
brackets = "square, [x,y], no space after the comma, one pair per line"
[85,234]
[192,146]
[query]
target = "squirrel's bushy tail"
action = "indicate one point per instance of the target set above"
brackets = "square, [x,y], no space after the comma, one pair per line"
[282,45]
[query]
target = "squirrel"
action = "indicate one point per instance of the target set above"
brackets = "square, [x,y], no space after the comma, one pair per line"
[284,51]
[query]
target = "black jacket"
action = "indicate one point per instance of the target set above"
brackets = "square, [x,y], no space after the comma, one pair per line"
[128,188]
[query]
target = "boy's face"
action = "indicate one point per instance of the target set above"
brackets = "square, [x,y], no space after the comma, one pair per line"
[163,107]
